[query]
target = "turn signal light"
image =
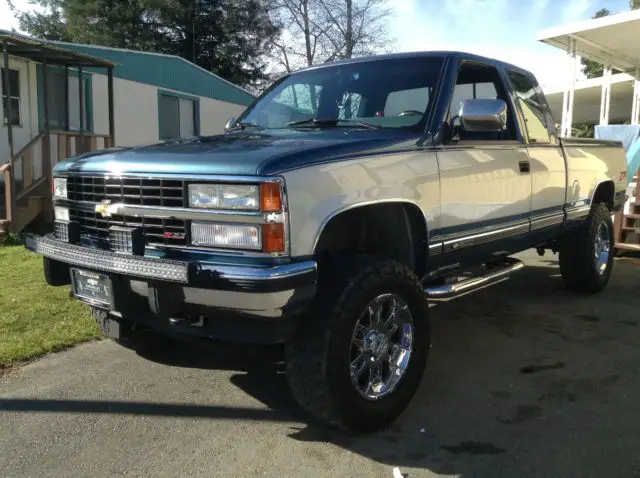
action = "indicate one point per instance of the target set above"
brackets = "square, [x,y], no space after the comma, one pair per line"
[273,238]
[270,197]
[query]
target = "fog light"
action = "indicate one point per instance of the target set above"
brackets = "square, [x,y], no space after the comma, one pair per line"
[61,230]
[61,213]
[126,240]
[226,235]
[66,231]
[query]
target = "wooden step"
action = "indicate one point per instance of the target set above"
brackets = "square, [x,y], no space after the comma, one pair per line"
[4,226]
[632,229]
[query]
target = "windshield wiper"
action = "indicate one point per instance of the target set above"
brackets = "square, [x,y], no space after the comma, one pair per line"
[331,123]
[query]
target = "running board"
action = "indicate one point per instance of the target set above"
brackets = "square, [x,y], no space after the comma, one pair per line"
[495,275]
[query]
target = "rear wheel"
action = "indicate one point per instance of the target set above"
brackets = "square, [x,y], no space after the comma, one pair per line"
[359,357]
[586,254]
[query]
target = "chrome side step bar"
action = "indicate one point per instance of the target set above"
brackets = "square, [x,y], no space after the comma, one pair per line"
[495,275]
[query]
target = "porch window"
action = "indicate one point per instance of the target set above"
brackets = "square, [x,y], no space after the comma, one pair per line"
[59,109]
[12,102]
[177,116]
[65,115]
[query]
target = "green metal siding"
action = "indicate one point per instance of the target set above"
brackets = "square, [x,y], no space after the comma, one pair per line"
[163,71]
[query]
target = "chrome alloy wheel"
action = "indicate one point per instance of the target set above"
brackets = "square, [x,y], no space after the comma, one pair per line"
[381,346]
[602,248]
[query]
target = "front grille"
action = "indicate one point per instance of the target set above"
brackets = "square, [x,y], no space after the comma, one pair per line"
[145,192]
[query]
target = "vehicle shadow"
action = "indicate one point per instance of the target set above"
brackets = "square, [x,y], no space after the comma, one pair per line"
[515,374]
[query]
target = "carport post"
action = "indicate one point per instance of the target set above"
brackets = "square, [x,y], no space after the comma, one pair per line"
[112,126]
[567,99]
[10,196]
[605,97]
[635,108]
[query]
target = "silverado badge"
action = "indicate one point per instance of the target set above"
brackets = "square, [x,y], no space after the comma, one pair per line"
[106,209]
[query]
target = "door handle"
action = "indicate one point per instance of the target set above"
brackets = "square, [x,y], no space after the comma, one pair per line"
[525,167]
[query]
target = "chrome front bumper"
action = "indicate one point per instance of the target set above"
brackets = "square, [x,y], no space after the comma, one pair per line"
[258,291]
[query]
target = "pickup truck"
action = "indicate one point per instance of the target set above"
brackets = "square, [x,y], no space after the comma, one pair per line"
[331,213]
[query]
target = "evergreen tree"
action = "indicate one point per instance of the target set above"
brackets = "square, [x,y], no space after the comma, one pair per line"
[231,38]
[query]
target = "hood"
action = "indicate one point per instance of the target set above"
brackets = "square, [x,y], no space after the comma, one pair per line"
[241,153]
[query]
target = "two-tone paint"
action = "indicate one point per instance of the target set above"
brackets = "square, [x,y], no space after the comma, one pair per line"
[478,199]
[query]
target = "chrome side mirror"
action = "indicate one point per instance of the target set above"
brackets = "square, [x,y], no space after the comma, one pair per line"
[230,122]
[483,115]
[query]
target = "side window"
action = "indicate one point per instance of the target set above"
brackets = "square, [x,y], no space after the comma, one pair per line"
[479,81]
[416,99]
[533,105]
[463,92]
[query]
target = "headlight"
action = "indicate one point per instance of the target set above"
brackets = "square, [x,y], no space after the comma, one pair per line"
[224,196]
[226,235]
[60,187]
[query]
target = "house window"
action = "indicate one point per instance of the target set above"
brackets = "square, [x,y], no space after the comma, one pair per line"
[11,103]
[177,116]
[59,109]
[63,110]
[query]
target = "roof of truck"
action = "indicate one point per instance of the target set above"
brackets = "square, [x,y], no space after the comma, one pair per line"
[418,54]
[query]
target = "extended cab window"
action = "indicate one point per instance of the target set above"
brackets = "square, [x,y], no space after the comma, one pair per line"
[533,105]
[386,93]
[478,81]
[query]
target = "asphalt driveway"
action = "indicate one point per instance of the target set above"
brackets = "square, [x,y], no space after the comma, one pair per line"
[524,379]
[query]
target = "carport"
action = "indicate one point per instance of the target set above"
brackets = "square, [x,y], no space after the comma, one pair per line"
[613,41]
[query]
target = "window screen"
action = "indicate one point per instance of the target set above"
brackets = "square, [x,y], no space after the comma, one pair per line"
[12,102]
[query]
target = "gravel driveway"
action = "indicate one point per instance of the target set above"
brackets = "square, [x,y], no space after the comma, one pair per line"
[524,379]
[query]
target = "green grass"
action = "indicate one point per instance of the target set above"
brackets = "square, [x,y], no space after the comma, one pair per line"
[36,318]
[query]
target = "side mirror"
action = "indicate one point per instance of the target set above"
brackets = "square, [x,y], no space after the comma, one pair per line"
[230,122]
[483,115]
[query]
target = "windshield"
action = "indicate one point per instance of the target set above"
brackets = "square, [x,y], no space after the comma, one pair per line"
[392,93]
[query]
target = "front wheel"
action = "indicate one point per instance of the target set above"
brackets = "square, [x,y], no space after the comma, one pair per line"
[359,358]
[586,254]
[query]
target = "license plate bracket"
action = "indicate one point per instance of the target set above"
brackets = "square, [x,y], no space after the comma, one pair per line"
[92,288]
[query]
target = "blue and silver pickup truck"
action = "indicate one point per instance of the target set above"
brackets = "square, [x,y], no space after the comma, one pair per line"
[329,214]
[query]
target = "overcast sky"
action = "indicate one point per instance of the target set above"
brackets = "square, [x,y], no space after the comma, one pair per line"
[503,29]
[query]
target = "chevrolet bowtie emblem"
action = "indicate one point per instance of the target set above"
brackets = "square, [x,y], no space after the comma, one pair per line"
[106,209]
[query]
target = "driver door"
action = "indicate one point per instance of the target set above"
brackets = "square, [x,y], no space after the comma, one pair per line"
[484,177]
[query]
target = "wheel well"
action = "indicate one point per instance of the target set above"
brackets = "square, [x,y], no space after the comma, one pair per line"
[604,193]
[395,230]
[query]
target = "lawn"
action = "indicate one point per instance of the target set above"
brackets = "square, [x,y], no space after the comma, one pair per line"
[34,317]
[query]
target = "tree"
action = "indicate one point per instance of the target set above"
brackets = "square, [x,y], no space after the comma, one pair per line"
[357,27]
[634,4]
[590,68]
[316,31]
[49,25]
[230,38]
